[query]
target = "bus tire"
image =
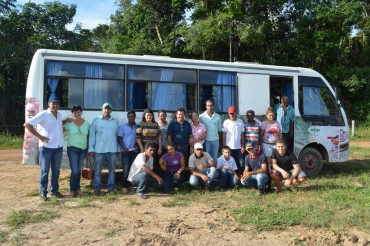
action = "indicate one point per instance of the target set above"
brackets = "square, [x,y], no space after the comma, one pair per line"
[310,161]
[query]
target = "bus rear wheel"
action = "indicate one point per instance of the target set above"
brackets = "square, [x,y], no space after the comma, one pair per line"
[311,161]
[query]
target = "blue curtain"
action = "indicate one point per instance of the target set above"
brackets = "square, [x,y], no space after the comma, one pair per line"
[137,92]
[162,91]
[224,97]
[95,89]
[54,68]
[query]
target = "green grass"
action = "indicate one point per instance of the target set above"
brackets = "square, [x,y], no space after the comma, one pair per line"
[2,236]
[10,141]
[18,219]
[359,153]
[337,199]
[362,133]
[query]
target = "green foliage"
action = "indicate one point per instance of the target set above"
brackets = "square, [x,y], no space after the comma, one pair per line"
[3,235]
[17,219]
[10,141]
[362,133]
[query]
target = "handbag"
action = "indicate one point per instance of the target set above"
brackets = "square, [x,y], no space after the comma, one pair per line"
[88,172]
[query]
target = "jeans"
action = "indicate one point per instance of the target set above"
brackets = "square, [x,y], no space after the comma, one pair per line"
[76,157]
[212,174]
[227,179]
[212,148]
[100,158]
[142,180]
[258,181]
[127,160]
[169,181]
[236,154]
[50,159]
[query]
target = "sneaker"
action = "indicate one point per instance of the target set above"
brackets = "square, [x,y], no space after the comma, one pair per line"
[78,193]
[44,198]
[72,194]
[124,190]
[57,195]
[142,195]
[96,192]
[112,191]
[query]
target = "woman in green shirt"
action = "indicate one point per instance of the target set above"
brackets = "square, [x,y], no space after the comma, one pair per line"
[78,130]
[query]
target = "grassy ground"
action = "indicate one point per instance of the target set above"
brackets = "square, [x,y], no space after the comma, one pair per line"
[362,133]
[10,141]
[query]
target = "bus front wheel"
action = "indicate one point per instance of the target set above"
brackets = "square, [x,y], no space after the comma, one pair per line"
[311,161]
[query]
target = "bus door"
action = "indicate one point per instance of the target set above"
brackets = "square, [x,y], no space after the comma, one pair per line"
[253,93]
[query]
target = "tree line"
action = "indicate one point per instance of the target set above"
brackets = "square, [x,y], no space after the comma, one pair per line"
[330,36]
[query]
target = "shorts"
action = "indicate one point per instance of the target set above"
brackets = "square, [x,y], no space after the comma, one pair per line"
[267,149]
[277,173]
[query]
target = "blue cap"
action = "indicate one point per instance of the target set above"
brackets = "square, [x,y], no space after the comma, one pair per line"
[107,104]
[53,98]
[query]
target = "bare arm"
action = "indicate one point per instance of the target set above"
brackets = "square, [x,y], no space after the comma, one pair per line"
[151,173]
[34,132]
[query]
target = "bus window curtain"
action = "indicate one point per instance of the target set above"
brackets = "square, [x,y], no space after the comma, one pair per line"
[94,88]
[137,92]
[168,95]
[54,68]
[224,96]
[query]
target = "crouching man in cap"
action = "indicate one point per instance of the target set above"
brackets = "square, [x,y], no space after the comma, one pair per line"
[202,168]
[254,174]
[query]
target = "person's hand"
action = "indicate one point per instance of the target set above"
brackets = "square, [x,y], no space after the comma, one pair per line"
[245,176]
[159,180]
[204,177]
[44,139]
[126,150]
[227,167]
[242,150]
[92,154]
[201,167]
[177,175]
[236,177]
[285,175]
[159,151]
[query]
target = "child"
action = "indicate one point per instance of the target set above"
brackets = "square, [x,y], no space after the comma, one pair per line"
[226,166]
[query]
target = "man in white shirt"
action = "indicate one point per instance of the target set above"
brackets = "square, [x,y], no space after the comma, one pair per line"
[50,134]
[233,136]
[141,171]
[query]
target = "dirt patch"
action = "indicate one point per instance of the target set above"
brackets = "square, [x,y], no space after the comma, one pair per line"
[127,220]
[360,144]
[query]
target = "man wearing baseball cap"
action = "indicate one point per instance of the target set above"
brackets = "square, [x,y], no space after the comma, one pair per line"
[50,135]
[233,136]
[255,172]
[103,146]
[202,168]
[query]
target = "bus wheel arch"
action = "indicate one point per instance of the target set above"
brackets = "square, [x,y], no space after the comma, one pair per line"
[311,159]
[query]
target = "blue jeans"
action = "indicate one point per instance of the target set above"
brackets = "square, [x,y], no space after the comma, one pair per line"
[212,148]
[127,160]
[50,159]
[100,158]
[76,157]
[227,179]
[212,174]
[142,180]
[236,154]
[258,181]
[169,181]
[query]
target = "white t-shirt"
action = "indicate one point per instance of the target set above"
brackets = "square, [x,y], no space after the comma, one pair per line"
[137,165]
[233,130]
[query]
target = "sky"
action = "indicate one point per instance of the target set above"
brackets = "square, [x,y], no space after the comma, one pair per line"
[90,13]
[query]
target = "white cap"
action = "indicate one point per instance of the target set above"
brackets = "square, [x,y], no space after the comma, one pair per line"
[198,146]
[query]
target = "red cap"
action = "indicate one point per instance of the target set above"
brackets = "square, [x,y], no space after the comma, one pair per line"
[231,110]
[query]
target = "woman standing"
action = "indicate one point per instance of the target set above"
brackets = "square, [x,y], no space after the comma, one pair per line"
[163,125]
[198,129]
[270,132]
[77,129]
[148,131]
[173,166]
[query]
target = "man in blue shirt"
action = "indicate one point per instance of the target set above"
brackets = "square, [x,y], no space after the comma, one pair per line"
[213,123]
[285,116]
[126,137]
[103,146]
[180,134]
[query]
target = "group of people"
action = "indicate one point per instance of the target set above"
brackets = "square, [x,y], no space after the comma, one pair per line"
[166,154]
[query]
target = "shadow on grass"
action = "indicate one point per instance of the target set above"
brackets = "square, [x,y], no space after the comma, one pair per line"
[348,168]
